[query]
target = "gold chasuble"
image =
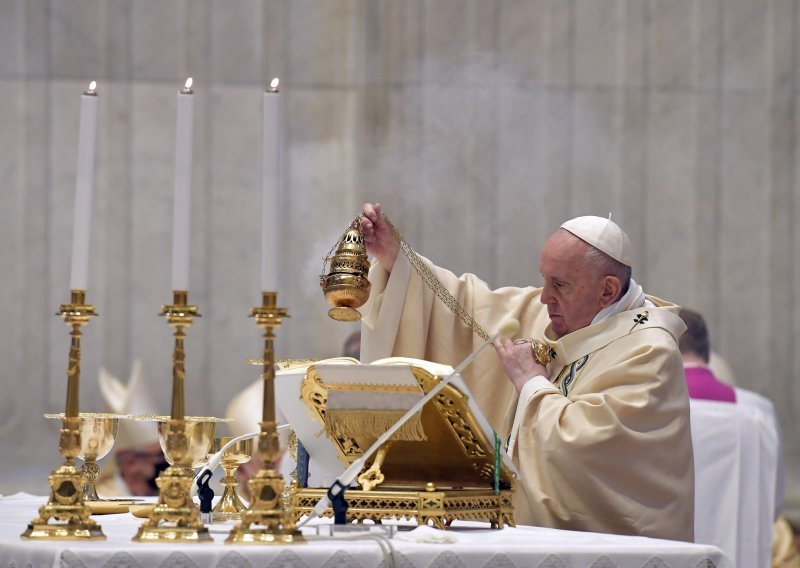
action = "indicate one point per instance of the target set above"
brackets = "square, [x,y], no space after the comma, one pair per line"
[606,445]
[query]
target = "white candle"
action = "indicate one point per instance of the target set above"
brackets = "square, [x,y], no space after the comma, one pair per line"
[181,215]
[82,218]
[270,186]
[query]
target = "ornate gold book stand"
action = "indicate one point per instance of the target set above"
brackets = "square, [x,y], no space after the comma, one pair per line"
[453,470]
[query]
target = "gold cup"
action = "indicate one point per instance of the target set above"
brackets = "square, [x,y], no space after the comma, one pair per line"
[98,431]
[230,506]
[200,432]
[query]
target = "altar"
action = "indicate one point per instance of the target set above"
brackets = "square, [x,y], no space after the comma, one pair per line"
[468,544]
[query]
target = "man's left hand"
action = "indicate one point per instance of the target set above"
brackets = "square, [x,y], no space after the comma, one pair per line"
[518,362]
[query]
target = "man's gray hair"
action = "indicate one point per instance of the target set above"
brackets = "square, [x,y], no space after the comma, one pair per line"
[604,265]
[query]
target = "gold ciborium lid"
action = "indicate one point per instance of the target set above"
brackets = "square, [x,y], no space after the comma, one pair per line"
[346,286]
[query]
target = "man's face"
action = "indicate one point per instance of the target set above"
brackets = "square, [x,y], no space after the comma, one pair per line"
[572,291]
[139,468]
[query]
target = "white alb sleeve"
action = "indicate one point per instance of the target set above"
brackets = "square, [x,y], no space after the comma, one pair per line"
[534,385]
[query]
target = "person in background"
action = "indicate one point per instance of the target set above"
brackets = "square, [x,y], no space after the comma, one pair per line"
[137,457]
[703,384]
[139,467]
[695,349]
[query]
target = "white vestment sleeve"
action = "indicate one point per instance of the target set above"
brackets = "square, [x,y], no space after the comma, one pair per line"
[536,384]
[381,314]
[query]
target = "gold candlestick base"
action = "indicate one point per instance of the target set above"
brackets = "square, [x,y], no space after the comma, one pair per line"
[268,520]
[175,505]
[66,502]
[267,510]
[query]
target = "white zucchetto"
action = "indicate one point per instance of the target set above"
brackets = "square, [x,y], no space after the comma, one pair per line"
[603,234]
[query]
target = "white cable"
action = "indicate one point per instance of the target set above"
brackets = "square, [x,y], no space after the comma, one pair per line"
[214,461]
[507,329]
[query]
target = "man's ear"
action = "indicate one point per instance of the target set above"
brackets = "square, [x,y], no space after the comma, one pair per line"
[610,291]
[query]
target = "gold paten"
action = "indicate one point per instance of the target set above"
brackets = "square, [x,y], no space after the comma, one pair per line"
[346,286]
[98,430]
[163,418]
[175,507]
[230,506]
[66,505]
[268,519]
[449,476]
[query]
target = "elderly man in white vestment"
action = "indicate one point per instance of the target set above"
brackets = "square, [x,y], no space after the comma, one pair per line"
[601,434]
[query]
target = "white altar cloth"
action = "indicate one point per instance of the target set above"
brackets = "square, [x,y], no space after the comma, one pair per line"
[475,546]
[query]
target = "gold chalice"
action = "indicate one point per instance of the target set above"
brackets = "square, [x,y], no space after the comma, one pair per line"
[200,434]
[98,431]
[230,506]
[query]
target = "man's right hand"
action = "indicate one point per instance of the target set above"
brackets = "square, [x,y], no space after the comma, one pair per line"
[378,236]
[518,361]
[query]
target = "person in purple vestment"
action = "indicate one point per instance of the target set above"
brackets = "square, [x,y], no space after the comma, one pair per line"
[695,350]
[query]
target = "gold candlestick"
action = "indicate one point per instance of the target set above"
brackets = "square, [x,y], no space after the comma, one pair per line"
[267,508]
[66,501]
[175,505]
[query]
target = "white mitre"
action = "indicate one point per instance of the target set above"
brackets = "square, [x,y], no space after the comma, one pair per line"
[130,398]
[603,234]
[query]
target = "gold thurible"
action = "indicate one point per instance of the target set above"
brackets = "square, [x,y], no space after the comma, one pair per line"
[66,502]
[267,520]
[175,507]
[346,286]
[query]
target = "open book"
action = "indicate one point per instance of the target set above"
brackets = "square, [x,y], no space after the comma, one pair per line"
[338,407]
